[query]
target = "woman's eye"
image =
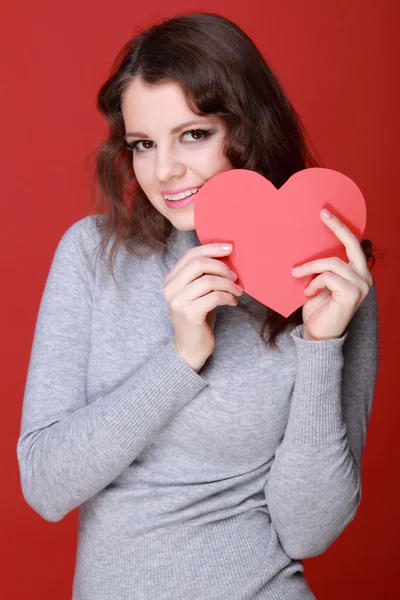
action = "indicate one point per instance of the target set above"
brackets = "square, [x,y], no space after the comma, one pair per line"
[134,145]
[197,136]
[198,132]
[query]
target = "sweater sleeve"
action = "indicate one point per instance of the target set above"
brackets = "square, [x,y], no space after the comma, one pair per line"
[314,486]
[68,450]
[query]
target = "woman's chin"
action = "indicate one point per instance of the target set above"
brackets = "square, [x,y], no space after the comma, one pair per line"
[184,222]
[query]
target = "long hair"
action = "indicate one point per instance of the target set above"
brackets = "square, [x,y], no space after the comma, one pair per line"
[221,72]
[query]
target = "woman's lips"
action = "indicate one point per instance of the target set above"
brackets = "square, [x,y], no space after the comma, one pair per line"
[180,203]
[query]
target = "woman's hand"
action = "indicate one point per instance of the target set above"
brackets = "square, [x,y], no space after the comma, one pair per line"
[193,289]
[344,286]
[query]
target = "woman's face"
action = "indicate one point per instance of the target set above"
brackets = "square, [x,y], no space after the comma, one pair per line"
[174,147]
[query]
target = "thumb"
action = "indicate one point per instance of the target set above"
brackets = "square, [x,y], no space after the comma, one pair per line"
[211,318]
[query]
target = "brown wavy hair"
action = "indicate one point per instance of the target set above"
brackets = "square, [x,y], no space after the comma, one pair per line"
[221,72]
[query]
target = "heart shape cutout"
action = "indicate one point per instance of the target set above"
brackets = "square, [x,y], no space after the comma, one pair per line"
[273,230]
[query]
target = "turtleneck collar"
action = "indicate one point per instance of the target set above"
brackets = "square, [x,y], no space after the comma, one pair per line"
[180,241]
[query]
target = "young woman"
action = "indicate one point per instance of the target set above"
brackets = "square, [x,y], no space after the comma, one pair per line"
[209,443]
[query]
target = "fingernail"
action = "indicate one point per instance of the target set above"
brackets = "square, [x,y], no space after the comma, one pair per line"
[226,246]
[327,214]
[234,276]
[296,270]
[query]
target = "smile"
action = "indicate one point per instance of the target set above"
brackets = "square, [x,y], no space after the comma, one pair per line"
[181,195]
[183,199]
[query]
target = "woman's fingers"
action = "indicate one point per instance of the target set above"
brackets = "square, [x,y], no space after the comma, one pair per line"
[198,252]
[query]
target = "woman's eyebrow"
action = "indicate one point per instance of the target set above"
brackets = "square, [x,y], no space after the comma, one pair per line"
[174,130]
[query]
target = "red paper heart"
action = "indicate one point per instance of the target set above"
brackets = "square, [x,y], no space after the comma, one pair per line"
[273,230]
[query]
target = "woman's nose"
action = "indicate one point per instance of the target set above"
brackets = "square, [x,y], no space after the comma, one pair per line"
[167,166]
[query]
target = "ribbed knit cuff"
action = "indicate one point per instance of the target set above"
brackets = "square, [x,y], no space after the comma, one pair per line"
[316,408]
[154,392]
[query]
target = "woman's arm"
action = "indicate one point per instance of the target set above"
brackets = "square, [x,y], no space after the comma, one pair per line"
[69,450]
[314,486]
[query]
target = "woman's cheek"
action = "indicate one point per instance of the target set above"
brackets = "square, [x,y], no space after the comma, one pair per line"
[142,173]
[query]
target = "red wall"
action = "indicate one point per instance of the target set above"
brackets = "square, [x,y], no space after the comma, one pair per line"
[336,60]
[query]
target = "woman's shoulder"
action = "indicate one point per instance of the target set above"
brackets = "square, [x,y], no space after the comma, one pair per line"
[89,240]
[78,245]
[84,236]
[86,231]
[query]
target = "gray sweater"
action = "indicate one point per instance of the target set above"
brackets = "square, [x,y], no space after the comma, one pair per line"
[210,485]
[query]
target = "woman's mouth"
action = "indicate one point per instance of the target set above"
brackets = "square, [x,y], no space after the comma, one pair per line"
[180,200]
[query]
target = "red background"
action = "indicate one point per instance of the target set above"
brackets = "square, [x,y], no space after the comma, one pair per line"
[337,61]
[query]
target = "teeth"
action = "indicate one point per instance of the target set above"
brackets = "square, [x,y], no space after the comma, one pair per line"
[182,195]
